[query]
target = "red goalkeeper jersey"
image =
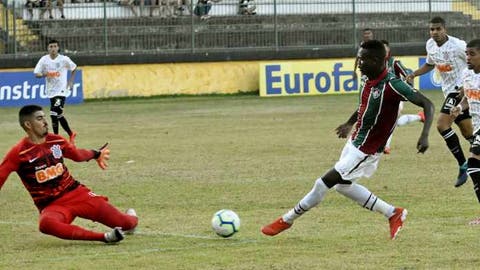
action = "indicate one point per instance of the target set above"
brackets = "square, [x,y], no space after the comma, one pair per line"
[41,167]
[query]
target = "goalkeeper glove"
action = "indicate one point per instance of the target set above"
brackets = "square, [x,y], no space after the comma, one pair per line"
[102,155]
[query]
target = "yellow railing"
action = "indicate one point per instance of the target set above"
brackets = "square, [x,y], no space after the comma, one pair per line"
[22,33]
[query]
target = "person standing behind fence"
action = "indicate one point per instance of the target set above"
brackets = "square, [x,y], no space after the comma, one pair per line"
[367,34]
[54,67]
[48,6]
[447,55]
[246,7]
[203,8]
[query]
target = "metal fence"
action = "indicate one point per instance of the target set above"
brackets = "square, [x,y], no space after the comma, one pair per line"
[170,26]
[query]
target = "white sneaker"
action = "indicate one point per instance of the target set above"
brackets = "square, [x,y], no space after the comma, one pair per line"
[133,213]
[116,235]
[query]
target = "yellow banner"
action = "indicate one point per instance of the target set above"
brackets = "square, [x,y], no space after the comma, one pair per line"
[332,76]
[319,77]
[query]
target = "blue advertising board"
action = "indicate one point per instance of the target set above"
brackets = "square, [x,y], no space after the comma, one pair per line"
[22,88]
[430,80]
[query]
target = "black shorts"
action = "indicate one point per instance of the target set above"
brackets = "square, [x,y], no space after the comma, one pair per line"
[56,105]
[475,146]
[451,101]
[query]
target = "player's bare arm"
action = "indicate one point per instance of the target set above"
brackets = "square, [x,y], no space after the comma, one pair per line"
[344,129]
[422,70]
[72,78]
[420,100]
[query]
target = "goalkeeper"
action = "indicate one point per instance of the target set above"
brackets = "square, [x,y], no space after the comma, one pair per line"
[38,160]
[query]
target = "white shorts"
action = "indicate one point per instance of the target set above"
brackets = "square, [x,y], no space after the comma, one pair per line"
[354,164]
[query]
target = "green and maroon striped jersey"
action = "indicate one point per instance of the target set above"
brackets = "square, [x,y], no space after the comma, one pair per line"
[378,110]
[396,67]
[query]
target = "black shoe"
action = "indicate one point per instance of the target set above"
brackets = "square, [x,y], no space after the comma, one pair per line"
[116,235]
[462,175]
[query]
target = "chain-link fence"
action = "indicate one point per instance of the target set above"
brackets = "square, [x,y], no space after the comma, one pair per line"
[170,26]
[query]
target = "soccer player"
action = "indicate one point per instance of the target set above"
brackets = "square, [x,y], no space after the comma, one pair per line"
[471,101]
[367,34]
[396,67]
[38,160]
[380,95]
[54,67]
[447,55]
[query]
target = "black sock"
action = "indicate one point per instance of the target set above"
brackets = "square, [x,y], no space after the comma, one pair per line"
[64,124]
[474,172]
[453,144]
[54,123]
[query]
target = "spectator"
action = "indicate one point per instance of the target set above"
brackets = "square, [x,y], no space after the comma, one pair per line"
[30,4]
[130,4]
[48,6]
[184,8]
[246,7]
[203,8]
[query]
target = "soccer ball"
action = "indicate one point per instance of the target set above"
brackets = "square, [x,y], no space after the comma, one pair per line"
[225,223]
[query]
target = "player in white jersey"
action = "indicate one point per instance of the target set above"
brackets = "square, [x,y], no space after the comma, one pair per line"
[471,101]
[447,55]
[54,67]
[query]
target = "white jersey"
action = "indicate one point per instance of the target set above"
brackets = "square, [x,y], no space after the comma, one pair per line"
[449,61]
[471,86]
[56,70]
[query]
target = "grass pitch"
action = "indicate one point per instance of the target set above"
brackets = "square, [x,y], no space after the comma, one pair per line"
[179,160]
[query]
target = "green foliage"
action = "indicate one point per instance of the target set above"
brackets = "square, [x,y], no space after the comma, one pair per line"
[177,161]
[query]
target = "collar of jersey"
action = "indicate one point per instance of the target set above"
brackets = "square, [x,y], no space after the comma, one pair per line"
[371,83]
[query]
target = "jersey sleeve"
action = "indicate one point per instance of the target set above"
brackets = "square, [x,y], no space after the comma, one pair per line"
[9,164]
[400,69]
[38,67]
[429,59]
[402,88]
[70,64]
[77,154]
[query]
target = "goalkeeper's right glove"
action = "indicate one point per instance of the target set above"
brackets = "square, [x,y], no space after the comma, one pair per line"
[102,155]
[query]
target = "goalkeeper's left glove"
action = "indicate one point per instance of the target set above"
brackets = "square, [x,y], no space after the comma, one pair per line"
[102,155]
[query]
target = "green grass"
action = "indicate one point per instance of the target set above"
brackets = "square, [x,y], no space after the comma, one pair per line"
[179,160]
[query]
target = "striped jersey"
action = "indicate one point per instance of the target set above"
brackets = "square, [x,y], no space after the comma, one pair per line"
[449,60]
[396,67]
[378,110]
[41,167]
[471,87]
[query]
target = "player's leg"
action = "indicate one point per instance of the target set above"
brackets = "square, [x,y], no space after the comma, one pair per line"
[110,216]
[97,208]
[54,102]
[366,198]
[59,105]
[56,221]
[316,194]
[406,119]
[464,122]
[444,127]
[474,170]
[60,7]
[351,165]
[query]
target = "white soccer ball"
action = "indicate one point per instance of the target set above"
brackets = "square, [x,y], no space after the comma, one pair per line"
[225,223]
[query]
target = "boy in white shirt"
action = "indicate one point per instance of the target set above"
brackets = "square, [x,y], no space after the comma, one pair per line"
[54,67]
